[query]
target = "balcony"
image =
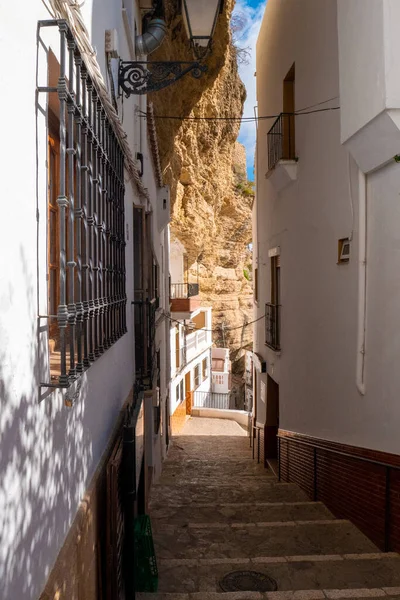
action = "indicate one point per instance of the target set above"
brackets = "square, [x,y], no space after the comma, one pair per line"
[282,160]
[184,298]
[273,326]
[145,330]
[196,343]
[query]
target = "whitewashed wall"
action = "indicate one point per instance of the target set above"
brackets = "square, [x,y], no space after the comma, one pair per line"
[317,365]
[205,385]
[48,452]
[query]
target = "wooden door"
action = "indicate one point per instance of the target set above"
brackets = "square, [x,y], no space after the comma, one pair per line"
[272,419]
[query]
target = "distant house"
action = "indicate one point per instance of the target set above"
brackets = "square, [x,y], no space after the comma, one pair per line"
[221,371]
[190,341]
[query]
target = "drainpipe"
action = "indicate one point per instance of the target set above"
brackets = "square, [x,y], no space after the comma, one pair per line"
[152,38]
[362,282]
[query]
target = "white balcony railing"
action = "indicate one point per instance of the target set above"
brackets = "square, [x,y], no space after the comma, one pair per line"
[196,342]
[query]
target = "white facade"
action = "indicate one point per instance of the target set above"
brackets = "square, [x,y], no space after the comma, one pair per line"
[50,452]
[221,371]
[193,371]
[337,364]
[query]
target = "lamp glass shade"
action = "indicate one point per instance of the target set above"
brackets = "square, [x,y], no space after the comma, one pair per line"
[200,18]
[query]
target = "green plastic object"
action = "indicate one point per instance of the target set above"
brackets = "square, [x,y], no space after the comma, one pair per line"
[146,572]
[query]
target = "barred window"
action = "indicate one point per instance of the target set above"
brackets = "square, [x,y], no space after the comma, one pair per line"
[85,232]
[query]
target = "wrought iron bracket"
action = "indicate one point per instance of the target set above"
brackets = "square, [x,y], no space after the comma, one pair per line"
[142,77]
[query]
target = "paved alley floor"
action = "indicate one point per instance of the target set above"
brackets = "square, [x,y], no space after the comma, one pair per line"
[215,511]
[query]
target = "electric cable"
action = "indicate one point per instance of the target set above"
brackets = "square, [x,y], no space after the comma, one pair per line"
[317,104]
[240,119]
[215,330]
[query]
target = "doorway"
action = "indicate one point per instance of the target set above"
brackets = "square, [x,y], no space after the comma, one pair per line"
[272,420]
[288,149]
[187,383]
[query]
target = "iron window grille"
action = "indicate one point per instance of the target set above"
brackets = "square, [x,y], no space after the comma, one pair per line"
[281,140]
[273,326]
[91,313]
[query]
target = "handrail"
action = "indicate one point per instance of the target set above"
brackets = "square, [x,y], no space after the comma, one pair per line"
[315,446]
[339,452]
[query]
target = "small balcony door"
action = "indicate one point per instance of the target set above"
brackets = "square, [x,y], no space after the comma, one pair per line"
[288,149]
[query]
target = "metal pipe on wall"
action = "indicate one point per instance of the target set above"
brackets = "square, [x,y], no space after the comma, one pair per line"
[362,282]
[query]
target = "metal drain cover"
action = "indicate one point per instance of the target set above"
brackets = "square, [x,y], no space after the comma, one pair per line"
[247,581]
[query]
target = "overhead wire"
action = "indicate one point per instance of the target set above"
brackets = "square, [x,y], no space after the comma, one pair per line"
[317,104]
[240,119]
[218,330]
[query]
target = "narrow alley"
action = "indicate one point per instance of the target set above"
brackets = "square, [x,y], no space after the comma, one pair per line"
[215,511]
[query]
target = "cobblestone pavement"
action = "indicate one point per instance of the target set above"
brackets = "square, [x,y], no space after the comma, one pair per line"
[215,510]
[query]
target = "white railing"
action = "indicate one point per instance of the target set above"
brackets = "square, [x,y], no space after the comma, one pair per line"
[195,343]
[201,336]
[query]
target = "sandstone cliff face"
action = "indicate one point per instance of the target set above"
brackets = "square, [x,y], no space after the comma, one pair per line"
[206,169]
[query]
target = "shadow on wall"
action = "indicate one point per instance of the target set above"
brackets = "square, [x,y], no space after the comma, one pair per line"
[45,456]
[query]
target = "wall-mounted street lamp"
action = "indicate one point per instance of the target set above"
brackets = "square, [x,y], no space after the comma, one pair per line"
[141,77]
[200,18]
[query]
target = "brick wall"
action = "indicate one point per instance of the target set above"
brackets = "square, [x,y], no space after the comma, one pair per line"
[351,488]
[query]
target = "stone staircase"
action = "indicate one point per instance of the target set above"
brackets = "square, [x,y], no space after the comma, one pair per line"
[215,511]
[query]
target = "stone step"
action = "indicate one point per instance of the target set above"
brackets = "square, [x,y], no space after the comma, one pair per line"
[244,513]
[245,468]
[215,478]
[242,491]
[290,573]
[212,479]
[327,594]
[271,539]
[232,454]
[214,453]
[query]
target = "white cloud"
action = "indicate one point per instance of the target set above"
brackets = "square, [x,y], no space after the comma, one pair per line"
[247,38]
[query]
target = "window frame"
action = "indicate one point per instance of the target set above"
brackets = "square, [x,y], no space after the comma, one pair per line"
[197,371]
[205,368]
[89,226]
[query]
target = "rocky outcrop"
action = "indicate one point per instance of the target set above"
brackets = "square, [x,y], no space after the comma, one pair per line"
[206,169]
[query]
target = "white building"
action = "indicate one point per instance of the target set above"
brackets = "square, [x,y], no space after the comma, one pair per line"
[221,371]
[190,342]
[326,239]
[84,235]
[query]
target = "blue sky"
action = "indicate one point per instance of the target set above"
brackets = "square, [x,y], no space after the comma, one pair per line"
[251,11]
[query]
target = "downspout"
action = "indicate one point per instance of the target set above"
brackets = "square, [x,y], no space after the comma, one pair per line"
[145,44]
[362,282]
[152,38]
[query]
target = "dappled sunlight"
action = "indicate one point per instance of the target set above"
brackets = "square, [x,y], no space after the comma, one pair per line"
[46,458]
